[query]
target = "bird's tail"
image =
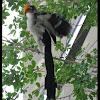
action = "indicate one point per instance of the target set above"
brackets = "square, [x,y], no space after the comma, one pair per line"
[50,84]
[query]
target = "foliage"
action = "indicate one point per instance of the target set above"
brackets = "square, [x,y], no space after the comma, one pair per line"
[15,73]
[79,76]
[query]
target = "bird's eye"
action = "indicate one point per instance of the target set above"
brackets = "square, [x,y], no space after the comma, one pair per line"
[33,7]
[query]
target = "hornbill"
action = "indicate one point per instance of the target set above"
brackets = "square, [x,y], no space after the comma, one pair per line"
[44,27]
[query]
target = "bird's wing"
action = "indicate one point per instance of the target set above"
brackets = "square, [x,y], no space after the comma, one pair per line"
[61,26]
[58,26]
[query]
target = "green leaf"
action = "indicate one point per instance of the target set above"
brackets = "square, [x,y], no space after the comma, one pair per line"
[33,63]
[35,76]
[35,4]
[24,26]
[18,68]
[39,74]
[15,40]
[91,85]
[37,67]
[7,14]
[24,59]
[33,92]
[79,52]
[10,26]
[36,92]
[59,46]
[86,77]
[21,64]
[32,81]
[68,45]
[38,84]
[58,93]
[22,34]
[30,96]
[6,71]
[13,31]
[24,91]
[91,97]
[41,97]
[30,66]
[27,34]
[93,93]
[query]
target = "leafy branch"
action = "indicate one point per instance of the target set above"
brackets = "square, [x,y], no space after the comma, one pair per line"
[21,47]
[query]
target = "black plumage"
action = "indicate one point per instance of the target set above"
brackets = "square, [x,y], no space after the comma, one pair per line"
[61,26]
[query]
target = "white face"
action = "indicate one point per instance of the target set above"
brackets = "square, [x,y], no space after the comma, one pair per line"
[29,15]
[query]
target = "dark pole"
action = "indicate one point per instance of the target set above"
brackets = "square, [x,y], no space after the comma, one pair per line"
[50,84]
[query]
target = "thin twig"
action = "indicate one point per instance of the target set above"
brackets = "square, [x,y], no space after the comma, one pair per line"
[20,46]
[92,45]
[66,96]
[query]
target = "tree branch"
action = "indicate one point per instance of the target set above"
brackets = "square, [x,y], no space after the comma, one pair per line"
[21,47]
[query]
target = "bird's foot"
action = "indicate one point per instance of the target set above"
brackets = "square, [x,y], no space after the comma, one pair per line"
[37,50]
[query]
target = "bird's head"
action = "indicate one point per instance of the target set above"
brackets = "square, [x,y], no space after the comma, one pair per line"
[29,8]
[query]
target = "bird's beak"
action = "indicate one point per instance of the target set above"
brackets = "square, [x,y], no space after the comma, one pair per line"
[27,6]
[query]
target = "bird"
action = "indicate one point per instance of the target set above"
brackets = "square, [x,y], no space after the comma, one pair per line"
[38,22]
[45,27]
